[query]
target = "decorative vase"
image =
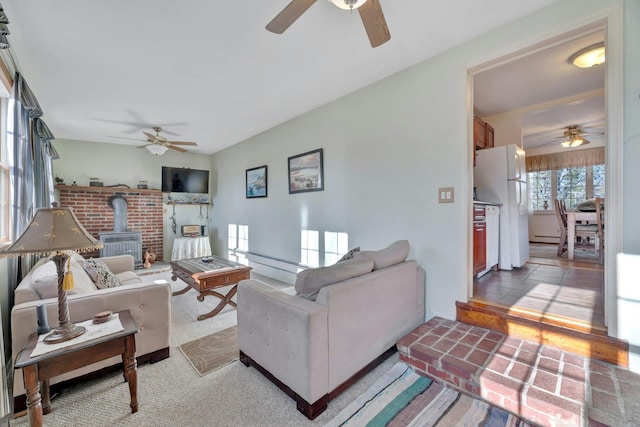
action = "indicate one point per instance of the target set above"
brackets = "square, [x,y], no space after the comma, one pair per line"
[152,256]
[545,205]
[146,263]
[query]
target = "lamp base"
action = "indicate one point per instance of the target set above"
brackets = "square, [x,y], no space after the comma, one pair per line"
[65,333]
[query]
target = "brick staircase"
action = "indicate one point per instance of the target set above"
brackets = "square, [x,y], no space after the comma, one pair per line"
[544,384]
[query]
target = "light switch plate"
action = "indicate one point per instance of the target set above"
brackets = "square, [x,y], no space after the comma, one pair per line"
[445,195]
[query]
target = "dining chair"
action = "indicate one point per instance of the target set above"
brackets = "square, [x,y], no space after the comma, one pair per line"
[583,232]
[562,223]
[600,232]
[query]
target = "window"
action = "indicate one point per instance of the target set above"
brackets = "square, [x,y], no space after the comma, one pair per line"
[6,134]
[336,244]
[238,243]
[309,248]
[573,185]
[540,189]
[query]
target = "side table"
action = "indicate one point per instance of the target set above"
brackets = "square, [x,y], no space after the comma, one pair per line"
[190,247]
[40,369]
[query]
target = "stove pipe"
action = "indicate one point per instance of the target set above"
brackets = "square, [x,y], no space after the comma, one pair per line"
[119,206]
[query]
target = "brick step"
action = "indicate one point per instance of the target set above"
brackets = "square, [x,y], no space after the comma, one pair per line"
[543,384]
[552,330]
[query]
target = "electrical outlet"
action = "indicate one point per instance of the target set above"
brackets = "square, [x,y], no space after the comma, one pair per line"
[445,195]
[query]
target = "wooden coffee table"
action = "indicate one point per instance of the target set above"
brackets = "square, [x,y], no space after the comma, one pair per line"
[205,277]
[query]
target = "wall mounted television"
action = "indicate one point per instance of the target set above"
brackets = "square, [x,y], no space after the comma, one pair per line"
[184,180]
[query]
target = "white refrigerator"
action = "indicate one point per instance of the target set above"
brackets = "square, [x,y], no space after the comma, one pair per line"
[500,176]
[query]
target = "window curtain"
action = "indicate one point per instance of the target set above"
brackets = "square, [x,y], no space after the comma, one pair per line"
[565,159]
[30,163]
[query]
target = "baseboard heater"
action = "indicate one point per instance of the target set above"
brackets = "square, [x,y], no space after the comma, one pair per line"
[278,264]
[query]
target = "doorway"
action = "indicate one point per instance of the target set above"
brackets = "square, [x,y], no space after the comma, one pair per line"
[530,100]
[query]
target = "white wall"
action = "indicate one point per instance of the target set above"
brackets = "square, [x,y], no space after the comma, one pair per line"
[124,164]
[388,147]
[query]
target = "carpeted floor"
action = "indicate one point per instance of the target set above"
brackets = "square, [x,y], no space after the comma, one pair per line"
[172,393]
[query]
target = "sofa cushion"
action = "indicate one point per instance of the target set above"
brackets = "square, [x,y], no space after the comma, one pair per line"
[395,253]
[310,281]
[128,278]
[106,278]
[45,280]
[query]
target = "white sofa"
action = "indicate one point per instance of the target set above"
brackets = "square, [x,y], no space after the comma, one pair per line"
[149,302]
[314,348]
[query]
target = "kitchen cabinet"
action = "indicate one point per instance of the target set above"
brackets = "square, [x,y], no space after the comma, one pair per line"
[479,133]
[479,239]
[483,134]
[479,247]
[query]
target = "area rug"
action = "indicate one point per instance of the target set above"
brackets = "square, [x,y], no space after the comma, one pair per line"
[213,351]
[403,398]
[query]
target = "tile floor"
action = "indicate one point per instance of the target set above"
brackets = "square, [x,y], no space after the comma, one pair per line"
[571,292]
[543,384]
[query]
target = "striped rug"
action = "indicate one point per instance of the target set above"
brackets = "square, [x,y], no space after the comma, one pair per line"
[404,398]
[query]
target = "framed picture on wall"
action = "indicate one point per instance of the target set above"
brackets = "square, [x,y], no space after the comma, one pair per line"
[306,172]
[256,182]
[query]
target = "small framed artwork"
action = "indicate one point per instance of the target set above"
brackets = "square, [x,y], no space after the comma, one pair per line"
[256,182]
[305,172]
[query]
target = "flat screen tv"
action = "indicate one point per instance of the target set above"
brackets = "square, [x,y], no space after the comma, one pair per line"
[183,180]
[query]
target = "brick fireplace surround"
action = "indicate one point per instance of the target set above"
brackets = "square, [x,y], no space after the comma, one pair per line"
[91,206]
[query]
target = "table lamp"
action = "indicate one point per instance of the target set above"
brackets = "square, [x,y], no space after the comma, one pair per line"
[56,230]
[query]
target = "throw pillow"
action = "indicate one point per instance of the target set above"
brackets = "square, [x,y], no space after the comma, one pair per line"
[395,253]
[89,267]
[106,278]
[45,280]
[310,281]
[350,254]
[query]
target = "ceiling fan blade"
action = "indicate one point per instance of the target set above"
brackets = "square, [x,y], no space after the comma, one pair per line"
[151,136]
[374,23]
[143,146]
[173,147]
[193,144]
[288,16]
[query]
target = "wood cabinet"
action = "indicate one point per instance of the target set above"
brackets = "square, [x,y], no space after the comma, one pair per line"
[479,133]
[479,247]
[483,134]
[479,239]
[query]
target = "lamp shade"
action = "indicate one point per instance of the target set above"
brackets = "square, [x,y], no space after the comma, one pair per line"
[157,150]
[348,4]
[51,230]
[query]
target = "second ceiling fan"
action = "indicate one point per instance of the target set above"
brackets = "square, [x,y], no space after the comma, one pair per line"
[370,13]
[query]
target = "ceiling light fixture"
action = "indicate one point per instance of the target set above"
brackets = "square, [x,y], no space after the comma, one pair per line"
[348,4]
[590,56]
[156,150]
[574,141]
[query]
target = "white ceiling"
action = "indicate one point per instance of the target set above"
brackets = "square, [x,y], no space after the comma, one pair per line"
[548,92]
[208,71]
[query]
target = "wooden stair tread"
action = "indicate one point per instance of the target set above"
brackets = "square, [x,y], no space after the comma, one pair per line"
[543,317]
[522,323]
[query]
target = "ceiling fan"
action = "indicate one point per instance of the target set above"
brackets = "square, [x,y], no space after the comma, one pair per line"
[370,13]
[573,136]
[158,144]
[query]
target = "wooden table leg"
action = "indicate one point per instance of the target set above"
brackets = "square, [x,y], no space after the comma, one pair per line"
[131,370]
[226,299]
[46,396]
[181,291]
[571,236]
[34,401]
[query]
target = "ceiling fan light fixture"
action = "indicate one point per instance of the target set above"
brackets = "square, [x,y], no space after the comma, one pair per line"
[156,150]
[348,4]
[590,56]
